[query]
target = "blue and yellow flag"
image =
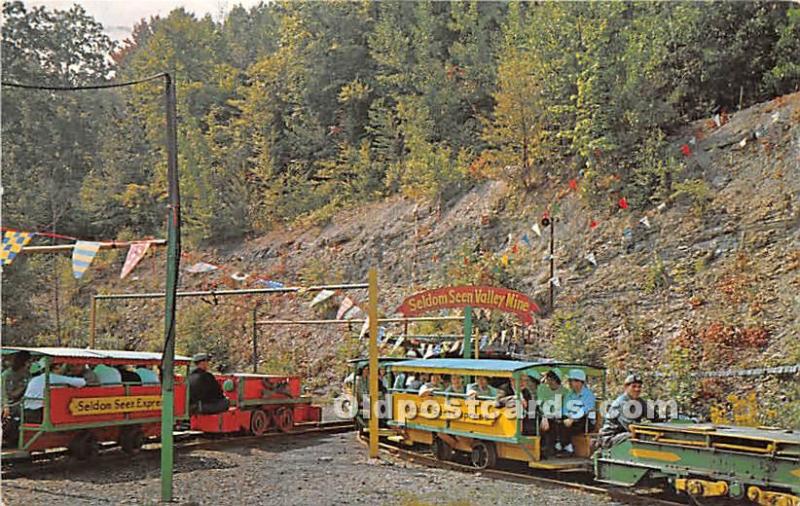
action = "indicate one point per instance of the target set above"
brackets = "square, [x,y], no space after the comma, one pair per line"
[13,242]
[82,255]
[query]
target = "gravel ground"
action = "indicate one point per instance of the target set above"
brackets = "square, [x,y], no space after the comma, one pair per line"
[304,470]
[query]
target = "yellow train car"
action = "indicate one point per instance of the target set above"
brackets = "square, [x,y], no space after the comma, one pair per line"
[483,411]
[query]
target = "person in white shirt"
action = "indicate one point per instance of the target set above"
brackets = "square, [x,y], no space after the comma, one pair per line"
[34,394]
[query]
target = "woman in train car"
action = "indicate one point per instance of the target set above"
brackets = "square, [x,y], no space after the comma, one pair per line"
[435,384]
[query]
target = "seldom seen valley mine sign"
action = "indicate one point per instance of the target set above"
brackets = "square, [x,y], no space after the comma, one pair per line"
[488,297]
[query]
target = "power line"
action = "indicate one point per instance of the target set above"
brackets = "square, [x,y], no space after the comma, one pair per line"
[86,87]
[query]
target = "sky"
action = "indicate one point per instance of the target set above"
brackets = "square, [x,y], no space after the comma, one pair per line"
[119,16]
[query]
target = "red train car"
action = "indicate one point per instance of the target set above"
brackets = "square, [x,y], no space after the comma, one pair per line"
[81,418]
[129,413]
[259,403]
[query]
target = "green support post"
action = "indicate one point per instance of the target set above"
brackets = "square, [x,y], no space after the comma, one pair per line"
[173,262]
[468,332]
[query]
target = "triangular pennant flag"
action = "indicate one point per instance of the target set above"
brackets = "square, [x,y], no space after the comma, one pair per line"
[515,248]
[573,184]
[82,255]
[593,224]
[504,260]
[503,337]
[591,259]
[644,221]
[555,281]
[536,229]
[484,341]
[346,305]
[686,150]
[526,240]
[364,328]
[321,297]
[381,335]
[13,242]
[398,343]
[353,313]
[623,203]
[201,268]
[455,346]
[135,254]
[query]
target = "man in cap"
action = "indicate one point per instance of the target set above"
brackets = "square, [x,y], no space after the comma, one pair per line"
[579,410]
[205,394]
[629,408]
[550,395]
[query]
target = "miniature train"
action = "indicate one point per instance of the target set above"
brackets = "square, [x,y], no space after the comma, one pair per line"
[698,460]
[129,414]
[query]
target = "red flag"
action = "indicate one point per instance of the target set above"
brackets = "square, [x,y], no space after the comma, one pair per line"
[623,203]
[573,184]
[515,249]
[135,254]
[593,225]
[686,150]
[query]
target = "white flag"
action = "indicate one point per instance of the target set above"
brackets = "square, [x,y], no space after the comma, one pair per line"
[590,258]
[536,229]
[554,280]
[322,297]
[644,221]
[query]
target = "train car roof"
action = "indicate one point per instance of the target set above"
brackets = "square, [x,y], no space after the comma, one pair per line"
[467,366]
[89,356]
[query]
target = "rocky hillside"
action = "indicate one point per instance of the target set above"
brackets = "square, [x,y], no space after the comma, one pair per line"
[709,280]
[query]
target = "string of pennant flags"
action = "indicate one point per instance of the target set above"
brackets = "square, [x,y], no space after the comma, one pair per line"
[83,252]
[573,186]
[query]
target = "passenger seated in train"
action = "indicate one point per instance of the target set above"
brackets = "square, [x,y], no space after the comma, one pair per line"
[107,375]
[205,394]
[629,408]
[550,396]
[481,388]
[147,376]
[34,394]
[532,410]
[414,383]
[128,376]
[85,372]
[435,384]
[456,385]
[15,380]
[580,412]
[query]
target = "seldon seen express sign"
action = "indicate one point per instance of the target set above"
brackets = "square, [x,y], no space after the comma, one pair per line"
[488,297]
[82,406]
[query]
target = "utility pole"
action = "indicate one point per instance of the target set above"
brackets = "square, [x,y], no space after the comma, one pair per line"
[173,263]
[552,262]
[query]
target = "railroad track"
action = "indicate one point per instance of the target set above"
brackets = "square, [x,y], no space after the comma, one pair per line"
[621,495]
[56,461]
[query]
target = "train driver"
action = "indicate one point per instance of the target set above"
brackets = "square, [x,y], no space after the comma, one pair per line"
[579,409]
[205,394]
[629,408]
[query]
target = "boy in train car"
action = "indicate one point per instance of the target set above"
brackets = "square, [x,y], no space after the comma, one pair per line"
[580,412]
[550,395]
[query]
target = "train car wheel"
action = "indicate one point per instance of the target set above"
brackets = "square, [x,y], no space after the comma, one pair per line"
[441,450]
[483,455]
[131,440]
[259,422]
[84,446]
[284,419]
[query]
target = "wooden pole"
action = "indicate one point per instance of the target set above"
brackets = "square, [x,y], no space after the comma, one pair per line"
[373,363]
[92,322]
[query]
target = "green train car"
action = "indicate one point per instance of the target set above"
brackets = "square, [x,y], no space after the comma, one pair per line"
[703,460]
